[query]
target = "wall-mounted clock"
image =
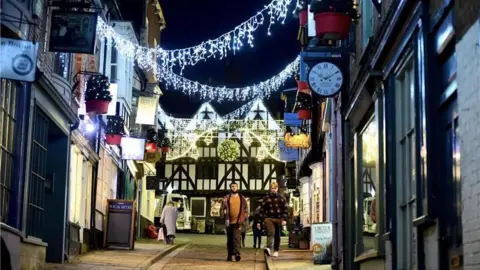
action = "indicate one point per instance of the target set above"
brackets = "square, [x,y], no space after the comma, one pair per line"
[325,79]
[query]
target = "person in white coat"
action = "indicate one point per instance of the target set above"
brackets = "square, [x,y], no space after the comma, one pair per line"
[169,221]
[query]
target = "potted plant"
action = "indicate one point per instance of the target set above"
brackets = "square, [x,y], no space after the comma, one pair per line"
[97,96]
[333,18]
[304,106]
[165,144]
[115,130]
[152,141]
[303,13]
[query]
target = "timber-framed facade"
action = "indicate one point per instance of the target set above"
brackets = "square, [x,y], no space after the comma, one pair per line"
[195,169]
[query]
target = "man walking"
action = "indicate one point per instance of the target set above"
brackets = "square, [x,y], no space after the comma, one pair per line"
[235,211]
[274,211]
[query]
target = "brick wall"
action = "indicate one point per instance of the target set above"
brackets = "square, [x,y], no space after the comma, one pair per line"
[468,78]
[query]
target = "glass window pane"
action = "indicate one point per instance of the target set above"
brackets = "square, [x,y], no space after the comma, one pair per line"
[369,183]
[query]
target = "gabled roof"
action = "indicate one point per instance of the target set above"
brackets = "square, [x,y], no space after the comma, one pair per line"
[260,112]
[205,113]
[164,119]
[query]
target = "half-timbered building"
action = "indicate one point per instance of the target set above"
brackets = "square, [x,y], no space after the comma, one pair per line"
[194,168]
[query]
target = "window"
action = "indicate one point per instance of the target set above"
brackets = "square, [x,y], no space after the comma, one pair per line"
[367,21]
[406,175]
[207,171]
[367,156]
[255,171]
[61,64]
[8,100]
[199,207]
[113,64]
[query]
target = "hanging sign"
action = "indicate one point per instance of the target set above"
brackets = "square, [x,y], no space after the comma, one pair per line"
[147,110]
[301,140]
[322,234]
[153,183]
[291,119]
[18,59]
[286,153]
[73,32]
[133,148]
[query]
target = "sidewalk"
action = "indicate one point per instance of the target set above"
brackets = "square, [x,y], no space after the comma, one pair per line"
[293,259]
[143,256]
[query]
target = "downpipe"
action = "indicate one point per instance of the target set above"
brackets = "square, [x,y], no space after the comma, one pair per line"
[335,243]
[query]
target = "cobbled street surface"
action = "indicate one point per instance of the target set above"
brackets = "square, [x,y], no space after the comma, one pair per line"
[209,252]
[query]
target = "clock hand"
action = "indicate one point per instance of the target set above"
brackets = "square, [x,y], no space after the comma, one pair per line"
[332,75]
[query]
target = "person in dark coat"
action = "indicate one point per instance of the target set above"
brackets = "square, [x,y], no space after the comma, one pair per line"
[274,211]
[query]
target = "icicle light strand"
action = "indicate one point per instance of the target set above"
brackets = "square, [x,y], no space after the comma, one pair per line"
[257,91]
[219,47]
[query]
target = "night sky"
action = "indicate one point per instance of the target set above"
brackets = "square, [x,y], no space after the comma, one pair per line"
[189,22]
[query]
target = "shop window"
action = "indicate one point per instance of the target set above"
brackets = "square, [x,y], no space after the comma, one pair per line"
[405,160]
[61,64]
[8,99]
[367,180]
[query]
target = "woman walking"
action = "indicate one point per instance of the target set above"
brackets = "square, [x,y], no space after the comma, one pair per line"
[169,221]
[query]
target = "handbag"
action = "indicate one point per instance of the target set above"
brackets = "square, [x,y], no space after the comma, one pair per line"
[160,235]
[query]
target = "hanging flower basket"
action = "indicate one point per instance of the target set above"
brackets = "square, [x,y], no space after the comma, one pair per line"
[228,150]
[303,87]
[115,130]
[332,25]
[97,95]
[113,139]
[303,17]
[304,114]
[151,147]
[97,106]
[165,144]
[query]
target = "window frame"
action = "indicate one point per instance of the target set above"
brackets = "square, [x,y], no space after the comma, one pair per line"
[204,206]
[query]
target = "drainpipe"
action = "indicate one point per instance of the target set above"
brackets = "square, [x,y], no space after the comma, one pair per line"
[335,183]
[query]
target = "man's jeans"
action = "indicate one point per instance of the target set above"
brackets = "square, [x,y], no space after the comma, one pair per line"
[234,236]
[274,227]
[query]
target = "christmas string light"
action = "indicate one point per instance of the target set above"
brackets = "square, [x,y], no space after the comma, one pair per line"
[260,90]
[240,111]
[219,47]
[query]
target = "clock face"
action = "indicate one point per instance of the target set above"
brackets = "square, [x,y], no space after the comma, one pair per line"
[325,79]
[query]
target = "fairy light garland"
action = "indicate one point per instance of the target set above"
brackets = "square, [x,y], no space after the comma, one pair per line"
[206,92]
[219,47]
